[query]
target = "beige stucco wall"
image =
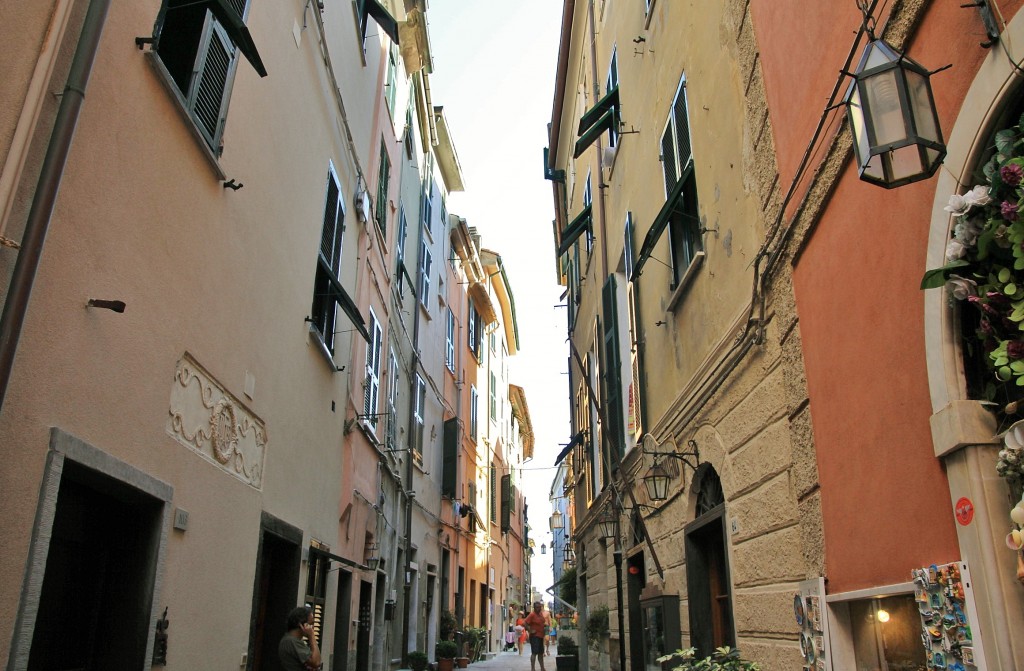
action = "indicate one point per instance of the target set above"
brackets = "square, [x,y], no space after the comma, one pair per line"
[754,429]
[224,275]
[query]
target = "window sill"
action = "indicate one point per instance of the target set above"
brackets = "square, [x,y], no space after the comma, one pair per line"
[321,346]
[686,281]
[165,79]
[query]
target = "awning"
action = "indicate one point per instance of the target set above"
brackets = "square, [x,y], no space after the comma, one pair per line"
[576,440]
[660,222]
[347,304]
[575,228]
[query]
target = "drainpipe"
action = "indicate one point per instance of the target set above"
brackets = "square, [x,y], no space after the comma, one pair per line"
[45,198]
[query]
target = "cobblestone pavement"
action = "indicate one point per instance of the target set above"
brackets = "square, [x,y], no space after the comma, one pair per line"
[512,661]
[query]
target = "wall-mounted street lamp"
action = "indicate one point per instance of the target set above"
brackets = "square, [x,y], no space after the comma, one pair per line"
[656,479]
[556,520]
[608,524]
[896,134]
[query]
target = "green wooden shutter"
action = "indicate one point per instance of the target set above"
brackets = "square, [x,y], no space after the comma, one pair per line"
[506,503]
[449,481]
[614,435]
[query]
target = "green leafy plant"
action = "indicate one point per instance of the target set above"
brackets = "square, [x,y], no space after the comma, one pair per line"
[984,273]
[475,638]
[447,650]
[446,630]
[417,660]
[567,646]
[597,626]
[567,586]
[722,659]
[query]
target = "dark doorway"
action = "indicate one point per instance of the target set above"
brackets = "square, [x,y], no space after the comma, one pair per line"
[635,580]
[277,584]
[100,570]
[342,620]
[707,568]
[363,635]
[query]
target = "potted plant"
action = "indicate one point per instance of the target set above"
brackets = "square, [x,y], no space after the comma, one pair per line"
[417,660]
[597,627]
[567,658]
[446,630]
[722,659]
[446,651]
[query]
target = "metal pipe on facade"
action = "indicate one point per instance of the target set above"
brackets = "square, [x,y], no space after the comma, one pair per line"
[51,174]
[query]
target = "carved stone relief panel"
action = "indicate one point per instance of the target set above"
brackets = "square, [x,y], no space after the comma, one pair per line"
[209,420]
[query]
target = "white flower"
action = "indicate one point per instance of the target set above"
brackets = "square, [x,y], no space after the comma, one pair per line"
[978,196]
[961,205]
[961,287]
[967,231]
[957,205]
[955,250]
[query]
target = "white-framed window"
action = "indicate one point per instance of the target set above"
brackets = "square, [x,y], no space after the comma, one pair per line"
[328,267]
[418,412]
[393,382]
[425,265]
[403,230]
[380,213]
[493,397]
[588,199]
[681,184]
[428,204]
[391,83]
[449,351]
[611,81]
[371,383]
[474,413]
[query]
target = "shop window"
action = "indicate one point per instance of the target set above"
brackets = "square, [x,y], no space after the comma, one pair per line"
[886,633]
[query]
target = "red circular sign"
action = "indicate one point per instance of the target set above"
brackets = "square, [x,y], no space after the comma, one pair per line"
[964,510]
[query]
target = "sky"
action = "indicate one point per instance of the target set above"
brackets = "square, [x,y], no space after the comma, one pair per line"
[494,74]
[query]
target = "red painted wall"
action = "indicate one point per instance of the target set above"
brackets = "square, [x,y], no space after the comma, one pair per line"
[885,499]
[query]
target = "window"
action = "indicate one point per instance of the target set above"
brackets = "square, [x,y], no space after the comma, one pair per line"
[493,394]
[383,182]
[428,204]
[634,425]
[325,306]
[475,326]
[474,402]
[424,273]
[371,383]
[408,139]
[492,340]
[391,83]
[610,84]
[420,401]
[680,187]
[444,215]
[196,43]
[392,398]
[400,271]
[449,352]
[588,199]
[492,500]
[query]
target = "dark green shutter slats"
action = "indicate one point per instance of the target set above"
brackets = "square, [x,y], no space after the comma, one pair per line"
[613,374]
[575,228]
[609,102]
[660,222]
[449,482]
[682,129]
[603,116]
[330,239]
[668,159]
[506,503]
[207,95]
[345,302]
[607,121]
[230,18]
[387,23]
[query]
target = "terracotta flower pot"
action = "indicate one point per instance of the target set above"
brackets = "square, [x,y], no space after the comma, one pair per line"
[445,664]
[462,661]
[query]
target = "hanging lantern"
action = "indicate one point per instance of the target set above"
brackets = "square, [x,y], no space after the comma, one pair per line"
[656,482]
[896,134]
[607,525]
[569,554]
[543,549]
[556,520]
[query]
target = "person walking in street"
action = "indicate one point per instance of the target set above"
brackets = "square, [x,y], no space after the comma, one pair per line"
[552,633]
[521,631]
[296,654]
[536,624]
